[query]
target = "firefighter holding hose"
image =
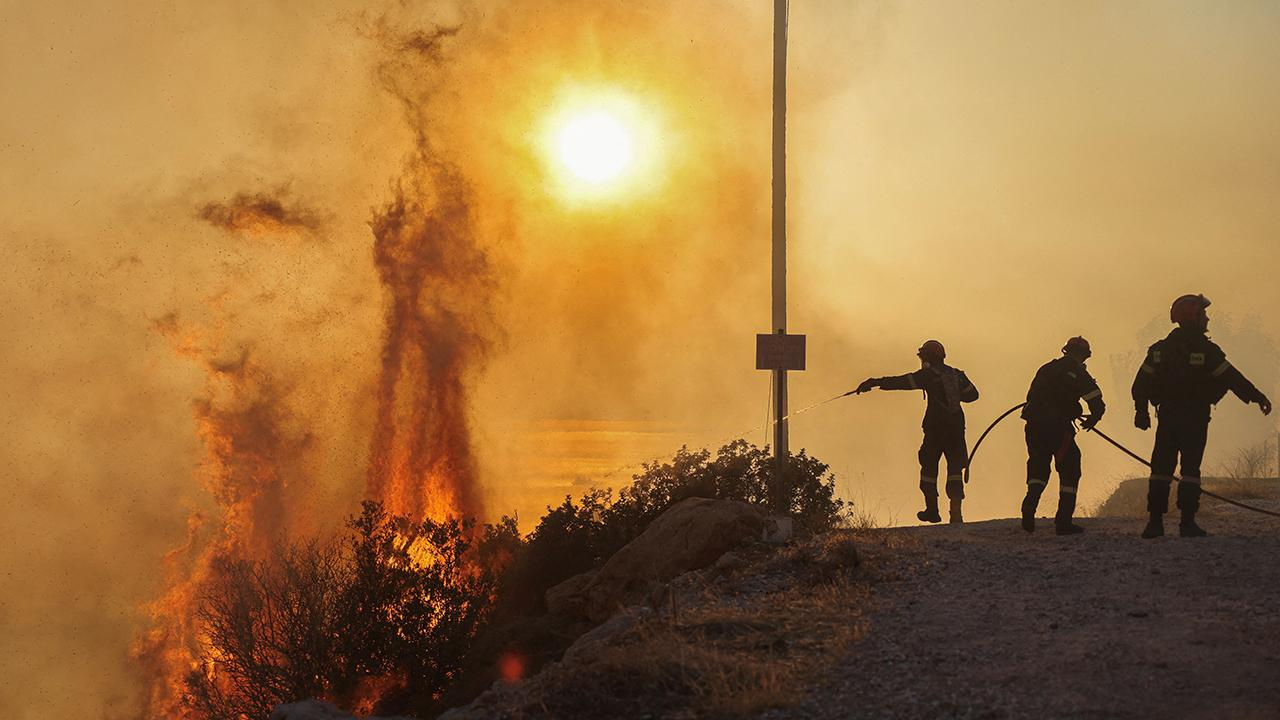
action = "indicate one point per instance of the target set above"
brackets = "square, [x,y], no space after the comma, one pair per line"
[1053,404]
[1183,376]
[945,388]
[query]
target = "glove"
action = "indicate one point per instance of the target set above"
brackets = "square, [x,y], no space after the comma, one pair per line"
[1089,422]
[1142,420]
[1264,404]
[867,384]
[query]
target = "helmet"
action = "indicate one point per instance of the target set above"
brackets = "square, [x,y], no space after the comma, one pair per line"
[1188,309]
[932,350]
[1079,344]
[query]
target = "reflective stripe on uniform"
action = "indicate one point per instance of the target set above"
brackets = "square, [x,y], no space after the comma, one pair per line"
[1222,368]
[1148,369]
[911,380]
[1066,490]
[1097,392]
[928,480]
[1041,483]
[1162,478]
[1192,480]
[955,478]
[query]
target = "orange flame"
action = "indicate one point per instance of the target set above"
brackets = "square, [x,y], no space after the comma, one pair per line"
[437,276]
[236,420]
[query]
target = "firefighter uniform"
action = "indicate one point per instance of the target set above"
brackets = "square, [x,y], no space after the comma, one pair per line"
[1182,377]
[1053,404]
[945,388]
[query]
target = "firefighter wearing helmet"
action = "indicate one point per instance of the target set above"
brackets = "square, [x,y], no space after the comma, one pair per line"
[1183,376]
[945,388]
[1053,404]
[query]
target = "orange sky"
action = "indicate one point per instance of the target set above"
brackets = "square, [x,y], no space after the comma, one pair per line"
[998,176]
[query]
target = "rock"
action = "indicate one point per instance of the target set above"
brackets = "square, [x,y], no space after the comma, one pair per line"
[691,534]
[600,637]
[778,530]
[728,563]
[566,598]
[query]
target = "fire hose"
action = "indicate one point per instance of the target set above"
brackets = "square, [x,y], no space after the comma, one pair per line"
[1119,447]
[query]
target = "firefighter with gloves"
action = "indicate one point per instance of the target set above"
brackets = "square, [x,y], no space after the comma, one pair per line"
[1183,376]
[1053,405]
[945,388]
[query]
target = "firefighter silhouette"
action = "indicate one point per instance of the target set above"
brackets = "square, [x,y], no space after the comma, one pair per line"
[945,388]
[1053,404]
[1183,376]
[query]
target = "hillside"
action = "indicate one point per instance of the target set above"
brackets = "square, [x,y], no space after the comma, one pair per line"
[979,621]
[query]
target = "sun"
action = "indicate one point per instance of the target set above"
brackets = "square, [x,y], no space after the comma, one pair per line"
[600,143]
[595,146]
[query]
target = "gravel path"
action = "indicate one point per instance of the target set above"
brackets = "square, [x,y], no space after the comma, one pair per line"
[990,622]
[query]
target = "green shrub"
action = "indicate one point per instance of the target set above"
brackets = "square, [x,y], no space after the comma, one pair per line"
[574,537]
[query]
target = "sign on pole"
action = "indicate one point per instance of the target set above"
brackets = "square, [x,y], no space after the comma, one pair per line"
[780,351]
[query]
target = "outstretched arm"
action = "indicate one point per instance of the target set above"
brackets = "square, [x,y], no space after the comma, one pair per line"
[1237,383]
[899,382]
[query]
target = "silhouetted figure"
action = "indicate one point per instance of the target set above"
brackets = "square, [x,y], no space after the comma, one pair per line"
[1053,404]
[945,387]
[1183,375]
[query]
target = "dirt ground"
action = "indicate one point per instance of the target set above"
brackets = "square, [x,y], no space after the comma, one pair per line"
[987,621]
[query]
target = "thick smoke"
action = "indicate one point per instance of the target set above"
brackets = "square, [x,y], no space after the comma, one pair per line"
[1000,176]
[259,214]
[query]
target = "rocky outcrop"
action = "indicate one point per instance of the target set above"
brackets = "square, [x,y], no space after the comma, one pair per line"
[567,598]
[690,535]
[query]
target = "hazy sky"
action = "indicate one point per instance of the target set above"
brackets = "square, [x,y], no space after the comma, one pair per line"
[999,176]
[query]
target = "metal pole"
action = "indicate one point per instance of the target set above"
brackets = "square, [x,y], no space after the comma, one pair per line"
[780,449]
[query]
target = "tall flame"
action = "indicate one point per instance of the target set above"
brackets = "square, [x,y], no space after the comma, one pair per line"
[437,277]
[245,453]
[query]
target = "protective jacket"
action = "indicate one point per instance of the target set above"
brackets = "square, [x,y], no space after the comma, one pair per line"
[1187,372]
[944,386]
[1056,392]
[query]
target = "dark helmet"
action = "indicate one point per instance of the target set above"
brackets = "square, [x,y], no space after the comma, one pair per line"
[1189,310]
[1078,344]
[932,351]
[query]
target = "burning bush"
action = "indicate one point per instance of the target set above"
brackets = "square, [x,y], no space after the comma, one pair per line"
[383,618]
[385,621]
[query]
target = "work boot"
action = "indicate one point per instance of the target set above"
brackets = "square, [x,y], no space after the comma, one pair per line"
[1029,504]
[1062,521]
[930,515]
[1154,528]
[1189,528]
[956,517]
[930,511]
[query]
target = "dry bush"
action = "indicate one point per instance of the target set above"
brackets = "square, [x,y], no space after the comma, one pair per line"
[1251,461]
